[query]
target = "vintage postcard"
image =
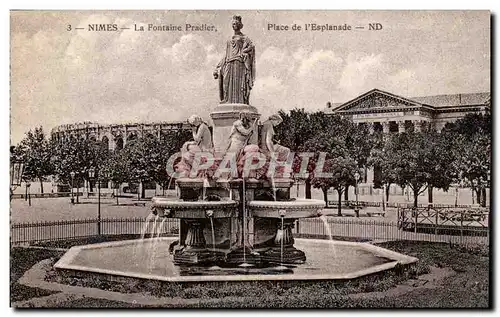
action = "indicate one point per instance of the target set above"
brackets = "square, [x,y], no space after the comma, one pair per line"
[250,159]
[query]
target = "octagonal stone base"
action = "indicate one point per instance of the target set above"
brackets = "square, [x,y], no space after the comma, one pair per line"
[326,260]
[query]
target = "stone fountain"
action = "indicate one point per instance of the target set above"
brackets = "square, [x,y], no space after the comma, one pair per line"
[241,218]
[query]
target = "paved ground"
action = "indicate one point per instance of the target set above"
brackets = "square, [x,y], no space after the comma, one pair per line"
[54,209]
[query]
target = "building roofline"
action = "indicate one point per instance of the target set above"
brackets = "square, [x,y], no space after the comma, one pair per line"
[433,107]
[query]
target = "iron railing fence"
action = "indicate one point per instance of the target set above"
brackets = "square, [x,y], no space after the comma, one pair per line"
[362,204]
[373,229]
[377,230]
[46,195]
[22,233]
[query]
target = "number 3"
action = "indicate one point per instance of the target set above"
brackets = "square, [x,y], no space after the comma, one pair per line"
[68,28]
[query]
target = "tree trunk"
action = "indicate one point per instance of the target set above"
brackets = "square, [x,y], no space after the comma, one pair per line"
[117,193]
[325,195]
[483,197]
[387,191]
[41,185]
[143,191]
[346,193]
[429,194]
[415,198]
[308,188]
[339,207]
[478,196]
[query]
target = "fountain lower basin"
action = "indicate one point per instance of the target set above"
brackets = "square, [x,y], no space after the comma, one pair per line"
[326,260]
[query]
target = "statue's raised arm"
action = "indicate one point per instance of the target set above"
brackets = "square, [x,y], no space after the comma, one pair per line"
[236,70]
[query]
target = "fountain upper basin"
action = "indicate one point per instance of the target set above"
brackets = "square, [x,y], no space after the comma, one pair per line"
[194,209]
[300,208]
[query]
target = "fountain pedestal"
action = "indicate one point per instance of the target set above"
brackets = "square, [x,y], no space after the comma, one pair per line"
[283,250]
[243,252]
[277,246]
[199,221]
[194,249]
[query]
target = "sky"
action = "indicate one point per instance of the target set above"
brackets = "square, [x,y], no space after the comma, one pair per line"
[60,77]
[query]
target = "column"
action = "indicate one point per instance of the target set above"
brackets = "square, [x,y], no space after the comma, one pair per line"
[385,127]
[418,125]
[371,127]
[401,126]
[124,135]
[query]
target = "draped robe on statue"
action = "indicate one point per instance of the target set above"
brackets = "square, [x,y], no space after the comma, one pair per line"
[237,70]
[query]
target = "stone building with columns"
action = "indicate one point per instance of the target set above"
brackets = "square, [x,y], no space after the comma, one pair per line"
[389,113]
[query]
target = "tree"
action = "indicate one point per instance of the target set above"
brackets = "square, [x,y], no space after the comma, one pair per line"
[419,160]
[77,154]
[136,153]
[36,154]
[64,158]
[471,124]
[381,163]
[319,132]
[345,147]
[342,172]
[168,144]
[470,137]
[358,143]
[117,169]
[296,128]
[473,163]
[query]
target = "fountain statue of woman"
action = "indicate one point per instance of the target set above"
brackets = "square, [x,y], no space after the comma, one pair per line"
[269,146]
[267,143]
[201,133]
[240,134]
[202,142]
[236,70]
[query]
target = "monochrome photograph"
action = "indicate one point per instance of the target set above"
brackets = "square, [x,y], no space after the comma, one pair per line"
[250,159]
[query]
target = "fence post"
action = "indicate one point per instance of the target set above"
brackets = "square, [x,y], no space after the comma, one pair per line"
[436,224]
[398,221]
[416,219]
[461,225]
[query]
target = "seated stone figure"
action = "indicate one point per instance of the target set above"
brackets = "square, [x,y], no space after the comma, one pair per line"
[267,144]
[240,135]
[188,152]
[241,132]
[201,133]
[251,151]
[202,142]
